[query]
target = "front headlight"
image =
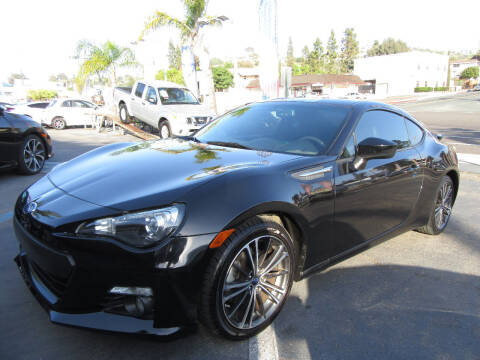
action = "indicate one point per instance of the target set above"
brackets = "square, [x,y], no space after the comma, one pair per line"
[139,229]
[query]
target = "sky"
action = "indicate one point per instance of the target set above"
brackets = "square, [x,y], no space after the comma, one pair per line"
[39,37]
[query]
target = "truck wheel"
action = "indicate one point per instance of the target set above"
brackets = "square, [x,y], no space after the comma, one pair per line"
[164,129]
[123,112]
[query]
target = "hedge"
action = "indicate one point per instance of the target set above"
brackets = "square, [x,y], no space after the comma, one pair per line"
[42,94]
[441,88]
[423,89]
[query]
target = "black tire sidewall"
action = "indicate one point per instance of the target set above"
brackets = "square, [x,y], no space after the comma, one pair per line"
[223,265]
[123,107]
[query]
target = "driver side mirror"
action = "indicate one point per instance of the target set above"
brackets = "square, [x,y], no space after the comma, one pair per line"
[373,148]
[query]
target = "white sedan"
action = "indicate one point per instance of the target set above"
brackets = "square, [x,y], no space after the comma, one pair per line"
[35,110]
[69,112]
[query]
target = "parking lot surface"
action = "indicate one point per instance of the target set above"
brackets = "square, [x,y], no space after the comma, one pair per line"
[414,296]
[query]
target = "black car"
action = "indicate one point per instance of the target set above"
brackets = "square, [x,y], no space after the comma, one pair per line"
[149,237]
[24,143]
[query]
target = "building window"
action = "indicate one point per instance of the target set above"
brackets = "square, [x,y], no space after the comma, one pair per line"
[456,65]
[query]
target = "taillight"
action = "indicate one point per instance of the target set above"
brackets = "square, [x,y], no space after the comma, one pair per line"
[9,108]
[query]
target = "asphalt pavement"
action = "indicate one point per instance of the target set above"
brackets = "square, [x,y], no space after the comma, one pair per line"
[414,296]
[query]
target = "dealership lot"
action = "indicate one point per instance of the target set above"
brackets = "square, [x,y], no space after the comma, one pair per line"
[415,296]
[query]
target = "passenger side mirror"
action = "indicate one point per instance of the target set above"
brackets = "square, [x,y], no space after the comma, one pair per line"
[375,148]
[152,100]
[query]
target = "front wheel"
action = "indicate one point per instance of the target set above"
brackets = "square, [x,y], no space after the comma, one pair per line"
[32,156]
[123,112]
[164,129]
[248,279]
[440,215]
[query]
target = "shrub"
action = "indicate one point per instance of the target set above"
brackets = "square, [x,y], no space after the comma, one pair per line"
[441,88]
[41,94]
[222,78]
[469,73]
[173,75]
[423,89]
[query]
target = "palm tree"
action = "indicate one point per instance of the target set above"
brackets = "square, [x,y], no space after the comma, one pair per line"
[102,60]
[190,32]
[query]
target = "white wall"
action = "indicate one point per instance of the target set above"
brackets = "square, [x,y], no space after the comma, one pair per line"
[398,74]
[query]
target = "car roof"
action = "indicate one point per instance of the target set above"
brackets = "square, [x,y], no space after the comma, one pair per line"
[360,105]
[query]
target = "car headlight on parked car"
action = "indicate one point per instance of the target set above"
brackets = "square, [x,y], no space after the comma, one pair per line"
[141,229]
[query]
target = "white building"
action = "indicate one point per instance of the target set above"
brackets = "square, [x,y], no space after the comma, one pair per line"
[456,67]
[399,74]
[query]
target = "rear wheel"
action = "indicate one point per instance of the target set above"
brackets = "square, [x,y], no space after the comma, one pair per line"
[442,209]
[32,156]
[59,123]
[248,279]
[123,112]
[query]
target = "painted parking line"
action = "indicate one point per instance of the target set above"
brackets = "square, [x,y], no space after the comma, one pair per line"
[6,216]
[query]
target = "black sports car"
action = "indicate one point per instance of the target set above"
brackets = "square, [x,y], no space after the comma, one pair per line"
[149,237]
[24,144]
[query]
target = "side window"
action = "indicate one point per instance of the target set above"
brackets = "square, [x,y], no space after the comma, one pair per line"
[384,125]
[77,104]
[139,90]
[67,103]
[151,95]
[349,150]
[414,132]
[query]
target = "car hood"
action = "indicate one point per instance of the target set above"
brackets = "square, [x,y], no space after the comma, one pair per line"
[189,110]
[150,174]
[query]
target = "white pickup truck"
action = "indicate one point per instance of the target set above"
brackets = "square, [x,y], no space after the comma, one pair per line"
[166,106]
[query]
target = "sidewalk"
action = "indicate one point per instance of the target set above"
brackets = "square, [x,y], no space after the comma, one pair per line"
[469,162]
[417,97]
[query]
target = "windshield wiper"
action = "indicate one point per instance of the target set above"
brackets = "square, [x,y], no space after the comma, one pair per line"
[189,138]
[229,144]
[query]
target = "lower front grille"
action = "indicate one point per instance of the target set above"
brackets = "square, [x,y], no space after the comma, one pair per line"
[55,284]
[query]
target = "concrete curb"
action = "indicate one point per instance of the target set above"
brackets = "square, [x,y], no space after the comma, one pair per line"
[263,346]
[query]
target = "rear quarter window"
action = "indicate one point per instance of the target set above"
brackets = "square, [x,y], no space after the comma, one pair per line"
[139,90]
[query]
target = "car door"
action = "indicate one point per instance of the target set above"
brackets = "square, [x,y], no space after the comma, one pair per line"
[136,101]
[7,143]
[150,107]
[380,195]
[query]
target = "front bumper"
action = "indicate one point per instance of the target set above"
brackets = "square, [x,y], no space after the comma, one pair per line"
[73,285]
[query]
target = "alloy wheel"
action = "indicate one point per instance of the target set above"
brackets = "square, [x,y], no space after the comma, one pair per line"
[58,124]
[34,154]
[256,282]
[443,206]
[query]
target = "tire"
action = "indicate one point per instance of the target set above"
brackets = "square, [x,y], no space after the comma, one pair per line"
[32,155]
[164,129]
[228,268]
[123,114]
[442,208]
[59,123]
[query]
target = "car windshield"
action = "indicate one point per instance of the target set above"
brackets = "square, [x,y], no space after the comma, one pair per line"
[171,96]
[303,128]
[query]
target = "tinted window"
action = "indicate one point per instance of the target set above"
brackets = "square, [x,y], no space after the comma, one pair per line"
[67,103]
[139,90]
[288,127]
[349,150]
[151,95]
[414,132]
[77,103]
[86,104]
[383,125]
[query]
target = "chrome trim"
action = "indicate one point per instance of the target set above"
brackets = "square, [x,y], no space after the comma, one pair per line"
[312,173]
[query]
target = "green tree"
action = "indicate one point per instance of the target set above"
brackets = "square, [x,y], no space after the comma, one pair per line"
[315,59]
[102,61]
[387,47]
[290,60]
[174,56]
[349,50]
[222,78]
[173,75]
[469,73]
[41,94]
[16,76]
[190,28]
[331,57]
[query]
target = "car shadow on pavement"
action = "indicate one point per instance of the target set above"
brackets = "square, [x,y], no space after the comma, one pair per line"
[382,312]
